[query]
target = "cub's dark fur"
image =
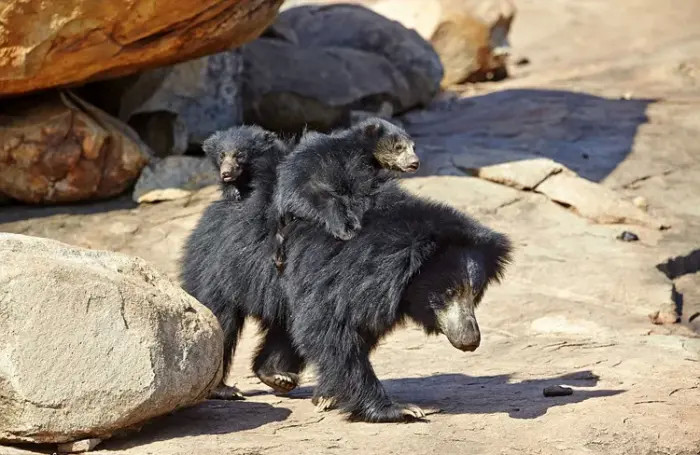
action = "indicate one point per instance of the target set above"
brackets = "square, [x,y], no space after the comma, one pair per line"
[235,153]
[331,180]
[226,263]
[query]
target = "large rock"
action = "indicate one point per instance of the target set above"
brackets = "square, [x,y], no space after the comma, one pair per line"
[178,106]
[58,148]
[317,64]
[471,36]
[45,44]
[94,342]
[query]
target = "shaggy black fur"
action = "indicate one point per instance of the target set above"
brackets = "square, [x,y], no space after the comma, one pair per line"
[336,299]
[236,153]
[331,180]
[344,296]
[226,263]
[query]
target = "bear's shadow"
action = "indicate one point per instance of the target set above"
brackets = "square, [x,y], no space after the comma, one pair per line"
[463,394]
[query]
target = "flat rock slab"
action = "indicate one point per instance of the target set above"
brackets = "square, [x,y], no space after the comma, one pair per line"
[595,201]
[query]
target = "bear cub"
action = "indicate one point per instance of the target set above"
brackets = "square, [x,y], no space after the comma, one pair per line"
[331,179]
[238,153]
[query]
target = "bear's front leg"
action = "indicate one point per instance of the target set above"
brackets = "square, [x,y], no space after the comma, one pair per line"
[346,378]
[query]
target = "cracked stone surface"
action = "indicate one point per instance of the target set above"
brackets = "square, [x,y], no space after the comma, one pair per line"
[58,148]
[574,308]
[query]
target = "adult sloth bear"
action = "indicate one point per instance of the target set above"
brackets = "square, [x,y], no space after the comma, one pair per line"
[337,298]
[223,264]
[412,259]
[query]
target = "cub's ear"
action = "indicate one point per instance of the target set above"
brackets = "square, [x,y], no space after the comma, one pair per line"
[210,146]
[373,128]
[270,137]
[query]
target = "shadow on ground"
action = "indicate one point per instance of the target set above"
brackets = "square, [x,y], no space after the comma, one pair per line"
[589,134]
[462,394]
[18,212]
[209,418]
[450,393]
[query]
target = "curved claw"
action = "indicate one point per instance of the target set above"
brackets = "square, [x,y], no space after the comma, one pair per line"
[280,382]
[224,392]
[412,411]
[323,403]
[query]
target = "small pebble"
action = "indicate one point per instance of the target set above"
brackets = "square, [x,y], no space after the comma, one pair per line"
[557,391]
[523,61]
[627,236]
[83,445]
[641,203]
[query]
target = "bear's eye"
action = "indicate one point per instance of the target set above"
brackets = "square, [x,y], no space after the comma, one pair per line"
[450,293]
[399,146]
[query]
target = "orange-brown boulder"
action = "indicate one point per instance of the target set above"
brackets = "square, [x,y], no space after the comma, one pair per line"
[56,43]
[58,148]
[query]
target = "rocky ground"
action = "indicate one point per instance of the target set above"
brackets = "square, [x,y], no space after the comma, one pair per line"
[611,91]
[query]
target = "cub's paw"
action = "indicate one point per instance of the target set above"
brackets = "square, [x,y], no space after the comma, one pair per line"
[279,382]
[224,392]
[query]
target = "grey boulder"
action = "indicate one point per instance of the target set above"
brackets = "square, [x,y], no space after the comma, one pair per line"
[317,64]
[94,342]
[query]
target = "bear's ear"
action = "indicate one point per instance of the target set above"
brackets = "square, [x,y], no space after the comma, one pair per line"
[476,271]
[270,137]
[209,146]
[373,129]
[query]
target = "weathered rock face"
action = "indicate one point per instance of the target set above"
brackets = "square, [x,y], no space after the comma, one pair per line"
[175,106]
[471,36]
[316,64]
[47,44]
[58,148]
[94,342]
[174,177]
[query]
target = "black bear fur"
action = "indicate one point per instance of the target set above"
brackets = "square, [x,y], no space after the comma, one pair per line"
[337,298]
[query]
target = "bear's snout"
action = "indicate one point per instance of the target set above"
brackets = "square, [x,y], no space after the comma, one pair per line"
[458,323]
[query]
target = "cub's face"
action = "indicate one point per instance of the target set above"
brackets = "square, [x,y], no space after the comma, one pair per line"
[395,151]
[231,163]
[233,150]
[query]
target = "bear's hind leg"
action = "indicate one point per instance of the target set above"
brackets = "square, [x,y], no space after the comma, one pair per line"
[277,364]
